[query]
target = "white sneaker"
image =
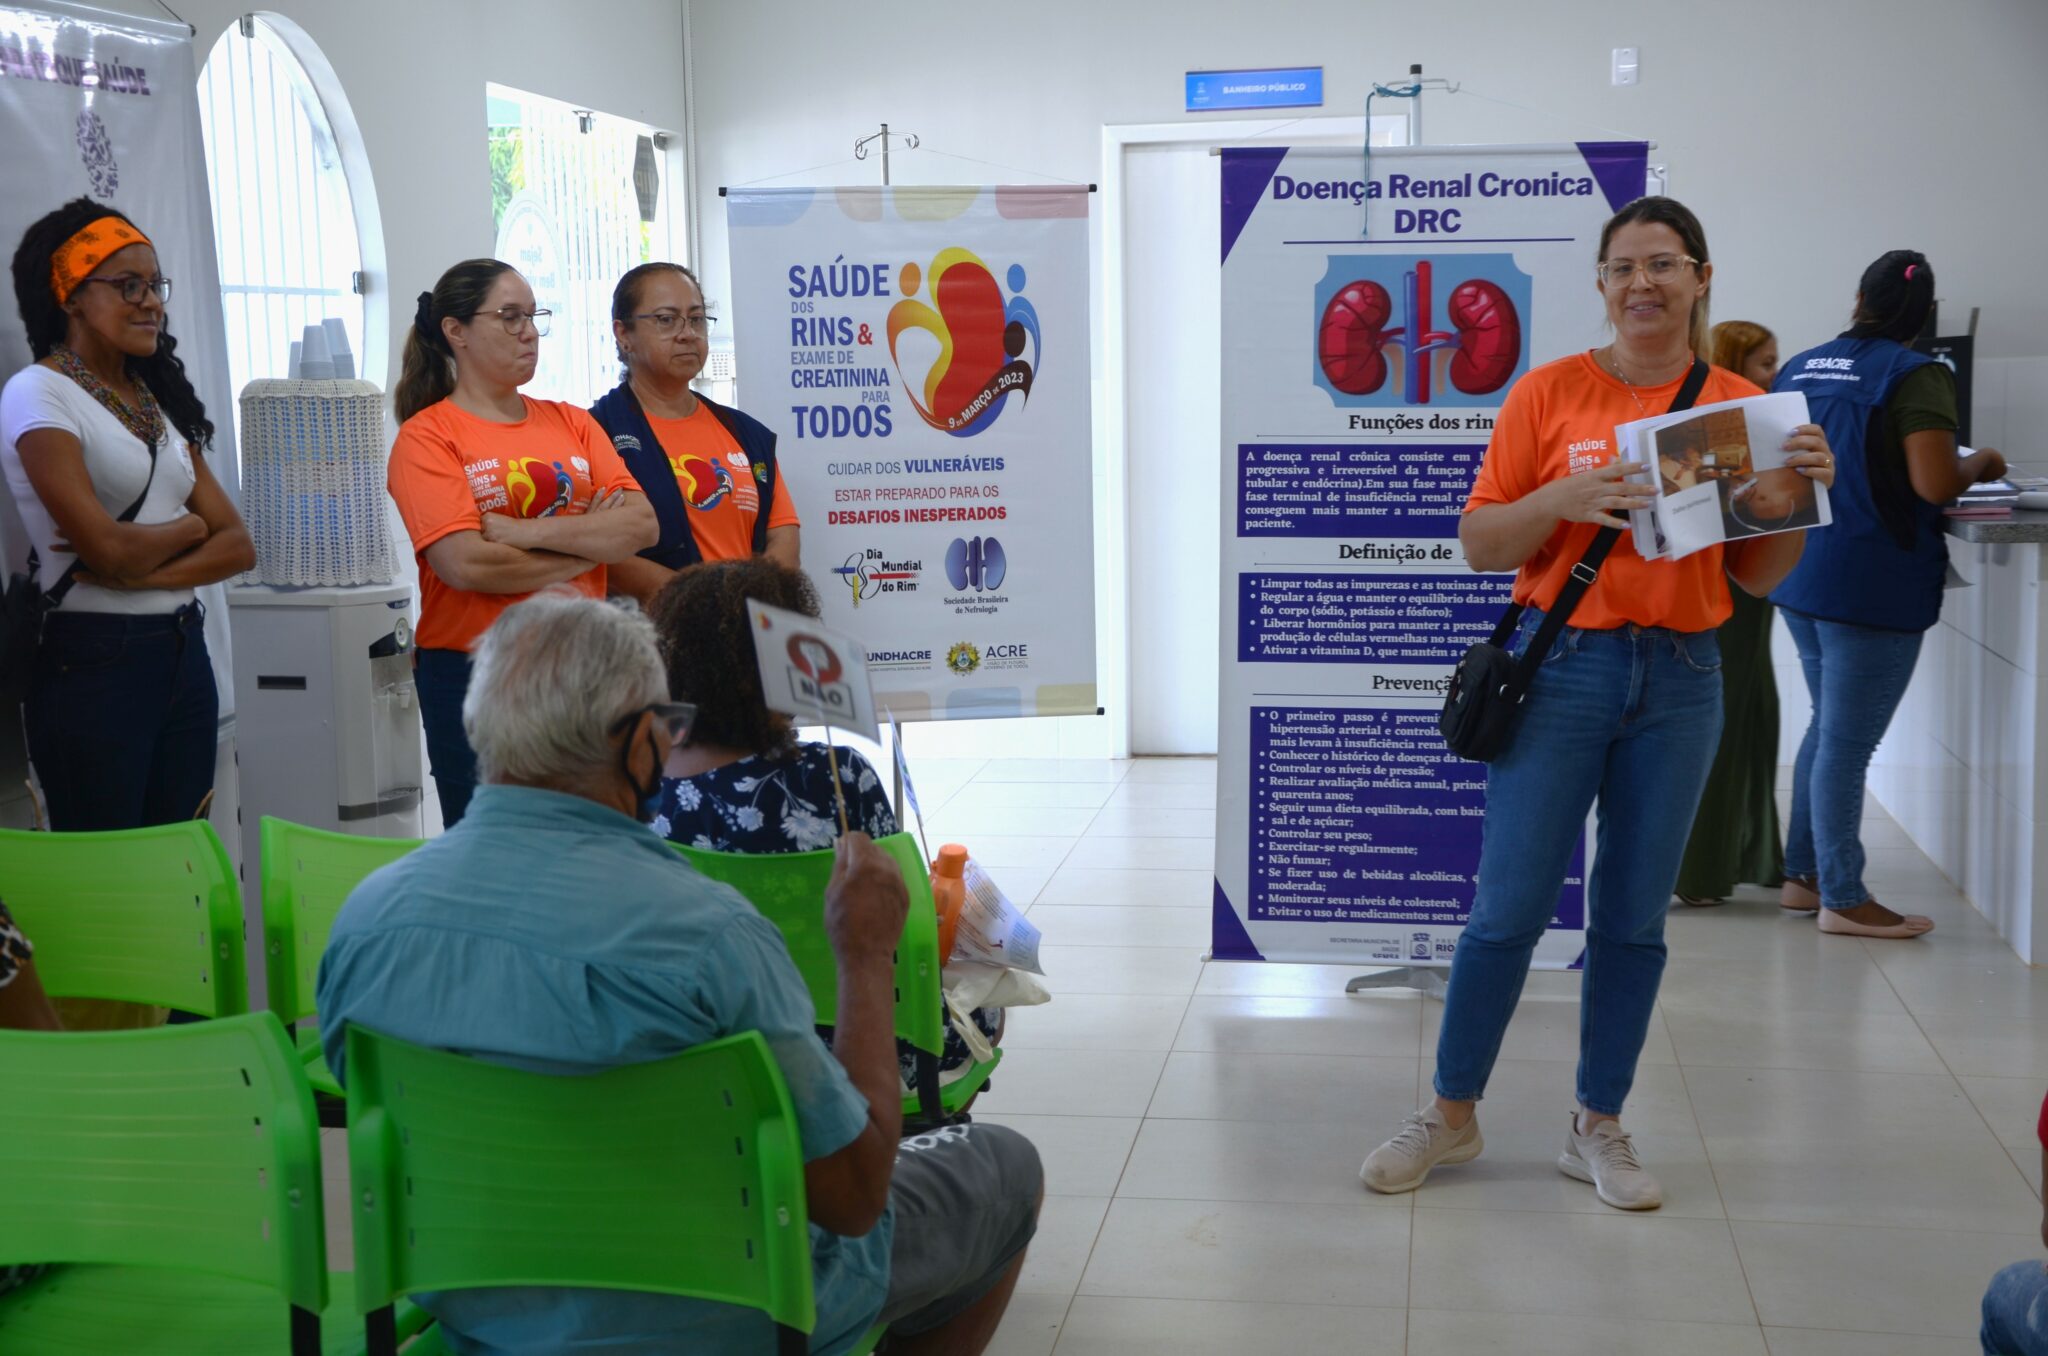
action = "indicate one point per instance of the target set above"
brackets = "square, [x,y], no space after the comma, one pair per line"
[1426,1140]
[1607,1159]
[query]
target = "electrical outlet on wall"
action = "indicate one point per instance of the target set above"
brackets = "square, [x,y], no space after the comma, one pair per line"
[1625,66]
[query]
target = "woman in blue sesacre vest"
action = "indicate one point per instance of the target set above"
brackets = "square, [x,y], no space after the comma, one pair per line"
[1869,586]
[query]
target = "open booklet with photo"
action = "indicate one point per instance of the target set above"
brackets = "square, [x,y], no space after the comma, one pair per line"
[1720,475]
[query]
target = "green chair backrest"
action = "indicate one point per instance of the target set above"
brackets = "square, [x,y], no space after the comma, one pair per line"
[307,874]
[682,1177]
[189,1148]
[789,890]
[142,915]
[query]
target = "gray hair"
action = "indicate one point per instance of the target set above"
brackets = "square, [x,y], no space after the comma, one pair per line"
[551,677]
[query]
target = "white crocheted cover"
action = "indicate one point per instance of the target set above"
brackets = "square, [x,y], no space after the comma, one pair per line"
[313,482]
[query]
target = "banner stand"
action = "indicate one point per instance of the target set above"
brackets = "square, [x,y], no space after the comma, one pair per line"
[1362,379]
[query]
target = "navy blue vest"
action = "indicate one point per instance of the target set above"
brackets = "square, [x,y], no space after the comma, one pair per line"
[619,414]
[1855,570]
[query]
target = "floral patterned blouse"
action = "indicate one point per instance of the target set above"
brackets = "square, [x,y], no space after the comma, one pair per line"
[14,948]
[781,804]
[14,953]
[763,805]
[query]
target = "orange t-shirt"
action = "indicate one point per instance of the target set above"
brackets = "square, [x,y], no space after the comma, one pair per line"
[1559,420]
[718,485]
[449,468]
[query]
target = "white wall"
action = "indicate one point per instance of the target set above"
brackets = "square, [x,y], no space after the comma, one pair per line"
[1810,137]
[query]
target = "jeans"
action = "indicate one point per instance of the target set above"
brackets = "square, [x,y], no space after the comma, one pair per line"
[442,679]
[2016,1312]
[1857,675]
[1629,719]
[123,718]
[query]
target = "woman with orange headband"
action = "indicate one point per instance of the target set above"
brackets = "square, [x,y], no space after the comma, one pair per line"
[103,443]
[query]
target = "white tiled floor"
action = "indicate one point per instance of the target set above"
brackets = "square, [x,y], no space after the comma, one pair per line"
[1844,1129]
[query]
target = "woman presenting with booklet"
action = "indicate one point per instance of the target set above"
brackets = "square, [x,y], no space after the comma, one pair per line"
[1861,599]
[1624,710]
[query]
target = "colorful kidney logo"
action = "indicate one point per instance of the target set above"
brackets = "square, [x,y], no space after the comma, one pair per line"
[983,341]
[537,488]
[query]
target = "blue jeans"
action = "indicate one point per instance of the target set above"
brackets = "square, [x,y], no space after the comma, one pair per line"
[123,718]
[1857,675]
[442,679]
[2016,1312]
[1629,719]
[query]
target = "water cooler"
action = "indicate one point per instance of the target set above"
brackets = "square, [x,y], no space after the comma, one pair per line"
[327,726]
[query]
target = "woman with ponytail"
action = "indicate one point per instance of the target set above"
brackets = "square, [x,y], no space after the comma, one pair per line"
[502,494]
[1870,585]
[103,441]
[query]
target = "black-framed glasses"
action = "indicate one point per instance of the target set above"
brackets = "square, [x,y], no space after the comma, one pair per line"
[515,320]
[134,288]
[665,322]
[676,717]
[1661,269]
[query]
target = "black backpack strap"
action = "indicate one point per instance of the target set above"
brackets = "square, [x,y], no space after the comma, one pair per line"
[1588,567]
[64,582]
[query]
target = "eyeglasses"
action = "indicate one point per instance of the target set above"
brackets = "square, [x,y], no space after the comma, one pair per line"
[1662,269]
[515,320]
[676,716]
[665,322]
[134,289]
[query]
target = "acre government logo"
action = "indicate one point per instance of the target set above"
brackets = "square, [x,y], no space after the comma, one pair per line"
[988,348]
[963,659]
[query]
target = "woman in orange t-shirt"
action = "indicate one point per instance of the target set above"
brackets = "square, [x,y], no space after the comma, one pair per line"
[709,470]
[1624,712]
[502,494]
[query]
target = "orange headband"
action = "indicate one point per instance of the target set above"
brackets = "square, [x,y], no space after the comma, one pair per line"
[77,257]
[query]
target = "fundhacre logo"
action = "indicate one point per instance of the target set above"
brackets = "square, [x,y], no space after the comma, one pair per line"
[988,346]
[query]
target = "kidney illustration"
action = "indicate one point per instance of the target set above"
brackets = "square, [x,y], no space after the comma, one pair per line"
[1483,345]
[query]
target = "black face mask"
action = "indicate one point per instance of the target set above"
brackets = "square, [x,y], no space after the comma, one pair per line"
[677,716]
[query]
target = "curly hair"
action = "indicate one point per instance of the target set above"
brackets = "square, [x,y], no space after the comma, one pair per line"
[163,371]
[707,645]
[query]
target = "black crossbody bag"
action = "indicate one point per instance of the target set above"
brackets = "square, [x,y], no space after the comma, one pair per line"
[25,603]
[1490,684]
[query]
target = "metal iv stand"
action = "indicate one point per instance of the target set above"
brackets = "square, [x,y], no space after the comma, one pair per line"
[860,147]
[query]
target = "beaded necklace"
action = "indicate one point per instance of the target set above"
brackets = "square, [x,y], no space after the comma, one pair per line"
[146,423]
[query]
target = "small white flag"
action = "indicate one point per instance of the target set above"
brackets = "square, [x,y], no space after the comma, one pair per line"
[813,673]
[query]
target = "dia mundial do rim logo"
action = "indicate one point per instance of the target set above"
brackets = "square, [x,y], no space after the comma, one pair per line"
[963,659]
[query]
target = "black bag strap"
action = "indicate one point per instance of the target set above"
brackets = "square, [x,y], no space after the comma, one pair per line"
[69,577]
[1586,570]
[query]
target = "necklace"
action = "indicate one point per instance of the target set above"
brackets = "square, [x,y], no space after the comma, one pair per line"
[1614,359]
[144,419]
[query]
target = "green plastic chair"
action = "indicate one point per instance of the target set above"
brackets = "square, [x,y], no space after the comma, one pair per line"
[174,1176]
[789,890]
[307,875]
[139,915]
[684,1177]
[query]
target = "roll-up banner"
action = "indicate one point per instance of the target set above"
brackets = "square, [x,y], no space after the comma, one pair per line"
[922,355]
[1375,314]
[107,107]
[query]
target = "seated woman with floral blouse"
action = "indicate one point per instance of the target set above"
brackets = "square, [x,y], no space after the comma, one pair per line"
[741,781]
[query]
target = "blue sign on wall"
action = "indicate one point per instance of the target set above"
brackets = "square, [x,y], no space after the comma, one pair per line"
[1288,87]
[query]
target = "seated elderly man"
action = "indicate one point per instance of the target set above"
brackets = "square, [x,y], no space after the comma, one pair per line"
[552,930]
